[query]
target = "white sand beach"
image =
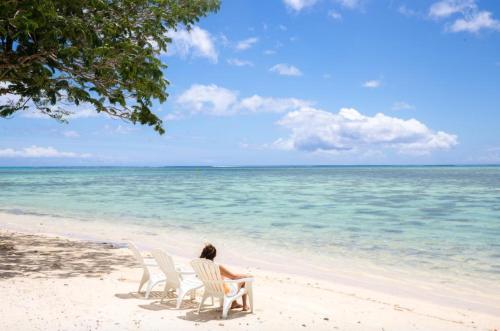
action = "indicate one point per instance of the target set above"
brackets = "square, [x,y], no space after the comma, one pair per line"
[50,281]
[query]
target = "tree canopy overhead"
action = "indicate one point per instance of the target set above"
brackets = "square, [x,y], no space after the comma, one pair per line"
[104,53]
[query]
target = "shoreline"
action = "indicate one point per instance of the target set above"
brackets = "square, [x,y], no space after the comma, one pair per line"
[58,269]
[185,246]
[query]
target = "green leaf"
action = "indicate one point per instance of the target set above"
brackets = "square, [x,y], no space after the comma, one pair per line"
[91,51]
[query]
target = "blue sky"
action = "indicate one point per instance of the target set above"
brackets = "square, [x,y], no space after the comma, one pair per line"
[304,82]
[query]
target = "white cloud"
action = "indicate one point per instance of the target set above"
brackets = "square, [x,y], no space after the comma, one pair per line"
[476,22]
[76,112]
[401,105]
[372,83]
[71,134]
[335,15]
[447,8]
[246,43]
[429,142]
[119,129]
[404,10]
[39,152]
[269,52]
[489,156]
[285,70]
[472,19]
[209,99]
[351,4]
[282,27]
[298,5]
[224,40]
[174,116]
[348,130]
[83,113]
[239,63]
[219,101]
[257,103]
[195,42]
[314,129]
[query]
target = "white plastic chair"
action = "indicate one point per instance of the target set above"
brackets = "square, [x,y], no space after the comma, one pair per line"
[151,278]
[176,280]
[209,273]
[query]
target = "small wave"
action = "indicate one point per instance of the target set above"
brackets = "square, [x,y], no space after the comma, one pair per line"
[149,233]
[456,220]
[17,211]
[435,211]
[281,224]
[416,223]
[314,226]
[372,212]
[392,230]
[188,227]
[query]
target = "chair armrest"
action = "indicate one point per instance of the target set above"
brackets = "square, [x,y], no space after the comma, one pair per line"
[240,280]
[186,272]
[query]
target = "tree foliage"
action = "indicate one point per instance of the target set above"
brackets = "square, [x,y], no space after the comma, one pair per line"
[104,53]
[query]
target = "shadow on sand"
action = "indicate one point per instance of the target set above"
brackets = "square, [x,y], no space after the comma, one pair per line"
[210,314]
[156,303]
[37,257]
[23,255]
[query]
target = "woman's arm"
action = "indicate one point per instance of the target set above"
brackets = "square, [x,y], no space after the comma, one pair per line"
[228,274]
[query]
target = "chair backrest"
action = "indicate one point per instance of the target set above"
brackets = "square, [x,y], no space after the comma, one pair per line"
[209,273]
[166,264]
[137,254]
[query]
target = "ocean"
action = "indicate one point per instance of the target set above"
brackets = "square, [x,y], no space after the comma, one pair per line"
[442,219]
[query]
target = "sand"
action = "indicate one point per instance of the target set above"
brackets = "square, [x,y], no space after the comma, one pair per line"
[52,282]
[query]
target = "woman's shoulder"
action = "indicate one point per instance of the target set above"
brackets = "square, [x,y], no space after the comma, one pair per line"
[224,272]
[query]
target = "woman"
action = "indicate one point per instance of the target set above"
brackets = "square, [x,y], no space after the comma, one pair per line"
[209,253]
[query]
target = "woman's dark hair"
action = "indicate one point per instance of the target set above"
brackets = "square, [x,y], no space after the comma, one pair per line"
[209,252]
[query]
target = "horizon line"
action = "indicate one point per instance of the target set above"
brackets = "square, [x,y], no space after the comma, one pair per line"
[259,166]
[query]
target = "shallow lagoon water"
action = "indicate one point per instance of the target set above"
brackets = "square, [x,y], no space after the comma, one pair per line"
[444,219]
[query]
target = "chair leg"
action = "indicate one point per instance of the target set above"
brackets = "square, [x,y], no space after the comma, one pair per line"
[227,306]
[149,288]
[165,292]
[202,301]
[144,279]
[250,296]
[180,296]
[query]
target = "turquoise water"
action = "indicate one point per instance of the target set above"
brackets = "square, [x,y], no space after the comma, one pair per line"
[433,218]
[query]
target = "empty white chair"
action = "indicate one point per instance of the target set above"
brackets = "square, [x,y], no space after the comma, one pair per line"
[148,276]
[183,282]
[209,273]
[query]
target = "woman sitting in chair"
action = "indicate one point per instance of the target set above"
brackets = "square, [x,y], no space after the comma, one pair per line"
[209,253]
